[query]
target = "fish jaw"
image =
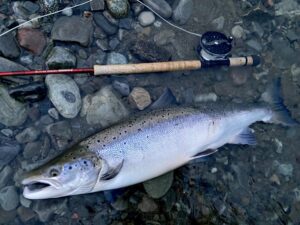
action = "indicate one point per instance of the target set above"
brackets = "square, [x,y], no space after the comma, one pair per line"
[50,188]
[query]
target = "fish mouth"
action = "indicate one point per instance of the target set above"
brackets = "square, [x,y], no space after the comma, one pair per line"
[40,188]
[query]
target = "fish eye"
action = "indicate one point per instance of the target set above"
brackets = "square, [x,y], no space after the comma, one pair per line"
[54,172]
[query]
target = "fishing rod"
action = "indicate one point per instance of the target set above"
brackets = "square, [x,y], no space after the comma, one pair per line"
[213,50]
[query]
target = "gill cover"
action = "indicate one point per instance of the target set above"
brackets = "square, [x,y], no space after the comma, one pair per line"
[74,172]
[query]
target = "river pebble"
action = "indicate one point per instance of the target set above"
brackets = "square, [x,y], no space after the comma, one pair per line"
[116,58]
[12,112]
[64,94]
[9,198]
[5,175]
[28,135]
[8,46]
[147,205]
[32,40]
[25,214]
[139,98]
[8,151]
[161,7]
[108,27]
[104,108]
[63,29]
[159,186]
[182,11]
[146,18]
[60,58]
[122,87]
[118,8]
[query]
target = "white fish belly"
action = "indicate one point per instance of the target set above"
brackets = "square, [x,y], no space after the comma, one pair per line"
[164,147]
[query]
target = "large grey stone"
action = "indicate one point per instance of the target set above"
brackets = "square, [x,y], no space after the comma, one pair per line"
[61,58]
[7,65]
[8,46]
[108,27]
[159,186]
[9,198]
[182,11]
[12,112]
[64,94]
[28,135]
[73,28]
[104,107]
[8,151]
[161,7]
[5,175]
[116,58]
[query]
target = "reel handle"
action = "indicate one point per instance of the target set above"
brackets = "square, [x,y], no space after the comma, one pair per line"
[174,65]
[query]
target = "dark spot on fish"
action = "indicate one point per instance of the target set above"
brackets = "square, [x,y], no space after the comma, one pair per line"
[87,146]
[125,131]
[104,145]
[139,129]
[98,141]
[114,138]
[120,133]
[147,136]
[69,96]
[70,167]
[124,143]
[84,162]
[74,157]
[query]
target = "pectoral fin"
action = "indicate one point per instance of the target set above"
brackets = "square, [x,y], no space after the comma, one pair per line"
[111,171]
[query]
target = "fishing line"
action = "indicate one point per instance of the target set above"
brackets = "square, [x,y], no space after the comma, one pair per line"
[39,17]
[166,21]
[71,7]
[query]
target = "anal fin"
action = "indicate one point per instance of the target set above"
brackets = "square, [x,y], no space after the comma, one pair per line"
[246,137]
[204,153]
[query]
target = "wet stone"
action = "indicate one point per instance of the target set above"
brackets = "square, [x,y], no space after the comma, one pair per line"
[237,32]
[182,11]
[31,149]
[113,43]
[104,108]
[97,5]
[47,209]
[61,58]
[8,46]
[64,94]
[12,112]
[53,113]
[25,214]
[8,151]
[116,58]
[126,23]
[9,198]
[139,98]
[7,132]
[5,175]
[103,44]
[122,87]
[285,169]
[158,187]
[32,40]
[120,204]
[7,216]
[28,135]
[147,205]
[146,18]
[63,30]
[148,51]
[108,27]
[161,7]
[67,11]
[7,65]
[118,8]
[24,201]
[60,133]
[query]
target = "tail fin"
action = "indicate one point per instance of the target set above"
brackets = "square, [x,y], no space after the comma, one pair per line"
[281,115]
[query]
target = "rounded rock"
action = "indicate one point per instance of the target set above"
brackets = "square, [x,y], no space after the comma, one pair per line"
[159,186]
[118,8]
[237,32]
[182,11]
[64,94]
[9,199]
[146,18]
[139,98]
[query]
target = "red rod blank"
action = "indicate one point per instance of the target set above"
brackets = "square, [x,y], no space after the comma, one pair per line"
[43,72]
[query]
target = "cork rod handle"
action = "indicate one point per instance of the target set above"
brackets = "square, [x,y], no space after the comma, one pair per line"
[146,67]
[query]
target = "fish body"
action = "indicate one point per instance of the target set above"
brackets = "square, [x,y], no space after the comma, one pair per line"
[147,146]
